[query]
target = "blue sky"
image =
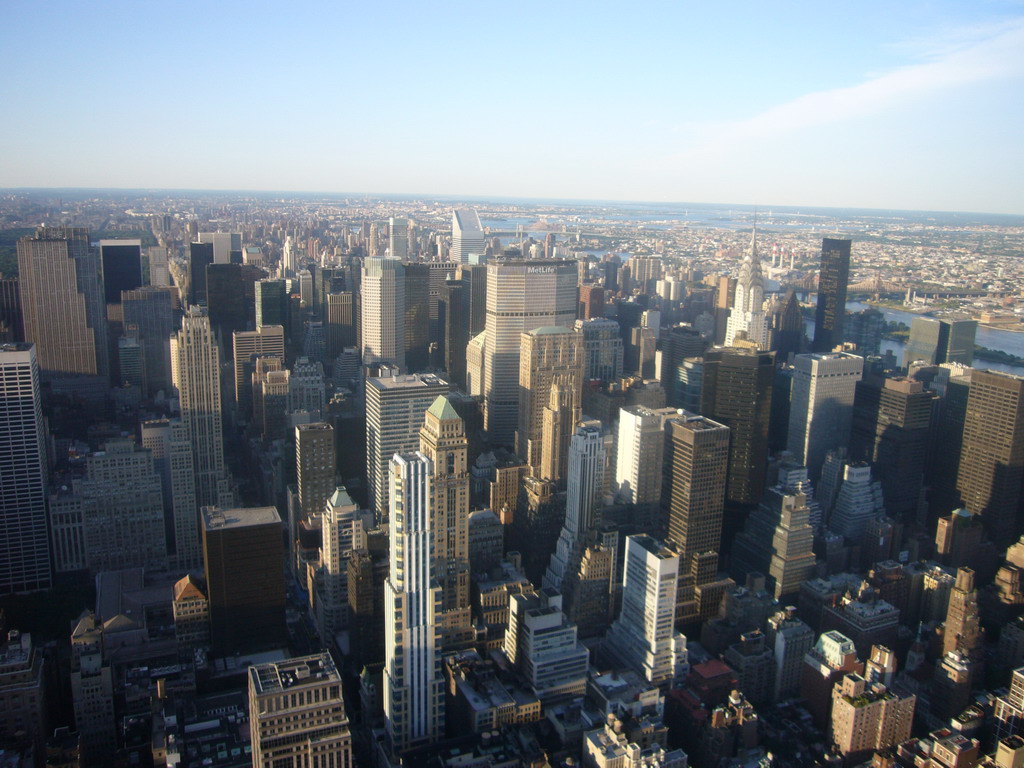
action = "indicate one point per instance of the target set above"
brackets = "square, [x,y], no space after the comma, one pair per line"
[894,105]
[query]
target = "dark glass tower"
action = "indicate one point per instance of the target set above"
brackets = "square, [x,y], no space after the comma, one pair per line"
[122,267]
[200,256]
[832,281]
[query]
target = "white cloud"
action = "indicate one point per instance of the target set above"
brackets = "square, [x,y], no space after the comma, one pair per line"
[948,60]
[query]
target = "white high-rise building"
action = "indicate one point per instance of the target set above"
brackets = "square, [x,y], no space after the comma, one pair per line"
[467,235]
[395,408]
[382,315]
[289,263]
[586,478]
[195,370]
[747,318]
[639,449]
[24,544]
[821,406]
[398,239]
[169,442]
[521,295]
[413,683]
[644,635]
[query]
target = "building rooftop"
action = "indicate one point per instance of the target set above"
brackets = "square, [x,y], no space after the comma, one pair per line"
[241,517]
[275,677]
[411,381]
[443,409]
[549,330]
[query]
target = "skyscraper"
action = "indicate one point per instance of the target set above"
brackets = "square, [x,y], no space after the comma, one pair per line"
[395,408]
[231,297]
[521,295]
[992,461]
[602,344]
[383,312]
[24,543]
[61,283]
[271,298]
[265,341]
[413,684]
[832,280]
[398,238]
[168,440]
[821,406]
[195,367]
[467,235]
[122,268]
[417,316]
[315,466]
[940,341]
[693,500]
[200,256]
[149,311]
[748,320]
[244,564]
[297,714]
[443,441]
[548,355]
[644,636]
[787,328]
[737,392]
[640,448]
[892,429]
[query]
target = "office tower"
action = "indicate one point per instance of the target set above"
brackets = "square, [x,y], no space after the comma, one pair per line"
[737,391]
[395,407]
[297,714]
[315,467]
[558,421]
[64,315]
[864,329]
[586,478]
[641,351]
[935,341]
[959,539]
[443,442]
[602,346]
[24,542]
[833,656]
[645,271]
[289,257]
[467,235]
[992,462]
[339,323]
[330,603]
[122,268]
[591,302]
[859,501]
[644,637]
[243,559]
[963,632]
[868,716]
[640,447]
[398,238]
[169,443]
[748,320]
[791,640]
[417,316]
[271,390]
[92,691]
[413,684]
[149,310]
[231,298]
[271,300]
[195,370]
[943,467]
[693,500]
[683,342]
[123,510]
[306,388]
[821,406]
[474,296]
[159,272]
[543,646]
[549,355]
[777,541]
[11,328]
[227,246]
[265,341]
[200,256]
[382,320]
[1008,712]
[521,295]
[831,311]
[787,328]
[453,330]
[892,429]
[23,705]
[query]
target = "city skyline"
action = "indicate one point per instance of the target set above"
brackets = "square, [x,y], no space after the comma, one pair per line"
[794,106]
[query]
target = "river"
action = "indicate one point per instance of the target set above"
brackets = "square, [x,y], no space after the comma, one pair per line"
[1004,341]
